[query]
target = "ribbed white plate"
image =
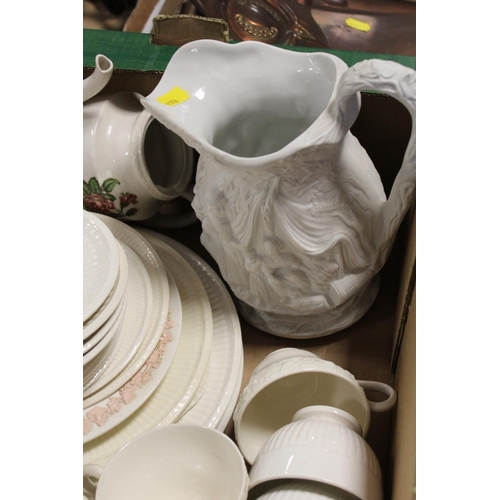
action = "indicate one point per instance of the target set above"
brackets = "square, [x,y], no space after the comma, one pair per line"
[114,298]
[184,375]
[100,263]
[109,413]
[228,414]
[103,345]
[99,333]
[139,295]
[225,371]
[93,340]
[159,284]
[96,367]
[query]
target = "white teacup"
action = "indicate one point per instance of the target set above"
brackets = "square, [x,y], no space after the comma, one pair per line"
[175,462]
[323,445]
[306,490]
[133,166]
[290,379]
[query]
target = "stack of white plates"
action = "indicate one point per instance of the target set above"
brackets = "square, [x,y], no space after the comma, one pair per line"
[130,322]
[105,270]
[189,365]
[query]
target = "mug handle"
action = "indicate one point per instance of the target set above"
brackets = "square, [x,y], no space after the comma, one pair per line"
[398,81]
[380,406]
[91,475]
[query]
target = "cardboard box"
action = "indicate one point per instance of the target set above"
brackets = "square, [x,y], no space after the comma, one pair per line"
[380,346]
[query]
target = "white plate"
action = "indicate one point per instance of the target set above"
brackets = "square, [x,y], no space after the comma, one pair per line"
[103,346]
[227,417]
[107,414]
[99,335]
[108,307]
[139,295]
[100,263]
[226,357]
[180,383]
[95,369]
[159,283]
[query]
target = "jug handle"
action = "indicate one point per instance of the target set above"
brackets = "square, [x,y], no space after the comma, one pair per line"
[399,82]
[100,77]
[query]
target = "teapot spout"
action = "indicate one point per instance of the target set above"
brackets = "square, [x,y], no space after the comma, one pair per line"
[100,77]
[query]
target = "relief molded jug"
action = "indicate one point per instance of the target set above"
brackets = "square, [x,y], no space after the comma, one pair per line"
[292,208]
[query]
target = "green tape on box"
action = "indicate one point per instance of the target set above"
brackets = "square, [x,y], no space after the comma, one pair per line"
[135,52]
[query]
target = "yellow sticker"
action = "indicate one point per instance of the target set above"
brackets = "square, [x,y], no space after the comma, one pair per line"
[173,97]
[357,25]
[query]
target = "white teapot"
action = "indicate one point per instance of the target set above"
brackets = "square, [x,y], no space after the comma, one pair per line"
[133,167]
[292,208]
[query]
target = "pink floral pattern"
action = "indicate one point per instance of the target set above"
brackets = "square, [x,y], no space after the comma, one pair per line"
[100,199]
[99,415]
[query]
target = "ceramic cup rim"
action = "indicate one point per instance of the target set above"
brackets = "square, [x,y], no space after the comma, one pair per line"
[115,460]
[283,458]
[263,380]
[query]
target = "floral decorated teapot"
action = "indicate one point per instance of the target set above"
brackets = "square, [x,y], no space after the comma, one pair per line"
[134,168]
[292,208]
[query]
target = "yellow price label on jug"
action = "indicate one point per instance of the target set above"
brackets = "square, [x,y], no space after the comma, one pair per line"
[173,97]
[357,24]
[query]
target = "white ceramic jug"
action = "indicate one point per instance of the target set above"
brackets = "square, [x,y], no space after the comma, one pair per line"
[292,208]
[133,167]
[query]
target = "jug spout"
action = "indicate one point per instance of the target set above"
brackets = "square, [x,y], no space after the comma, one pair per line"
[100,77]
[246,103]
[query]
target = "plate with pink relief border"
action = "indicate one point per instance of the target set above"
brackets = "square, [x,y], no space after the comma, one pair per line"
[107,414]
[183,378]
[139,296]
[160,305]
[225,372]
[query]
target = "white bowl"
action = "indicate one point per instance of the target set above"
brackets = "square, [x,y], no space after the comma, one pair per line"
[319,445]
[305,490]
[100,263]
[176,461]
[290,379]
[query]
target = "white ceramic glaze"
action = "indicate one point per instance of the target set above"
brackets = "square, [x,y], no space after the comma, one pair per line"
[291,379]
[112,411]
[225,422]
[139,294]
[181,381]
[176,462]
[215,406]
[99,340]
[94,339]
[114,298]
[305,490]
[132,164]
[101,262]
[319,449]
[292,208]
[97,361]
[159,307]
[99,78]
